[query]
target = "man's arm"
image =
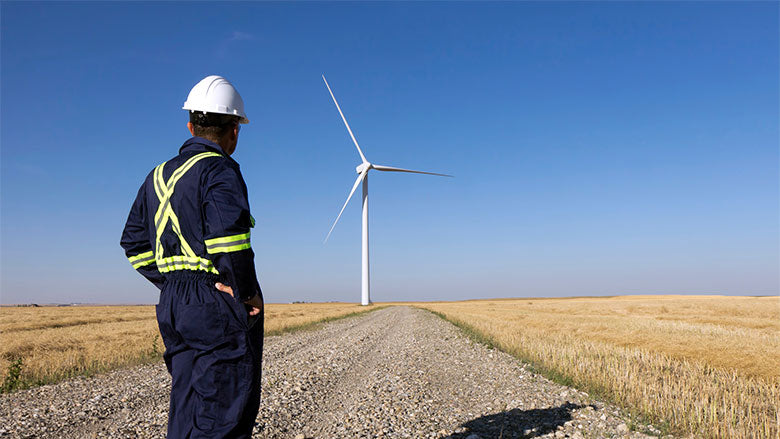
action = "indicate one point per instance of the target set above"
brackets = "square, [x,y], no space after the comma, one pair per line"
[227,236]
[135,241]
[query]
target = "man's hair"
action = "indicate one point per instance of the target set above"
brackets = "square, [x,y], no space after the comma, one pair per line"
[212,126]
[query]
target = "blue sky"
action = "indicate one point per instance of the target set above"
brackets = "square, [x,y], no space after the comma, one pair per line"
[598,148]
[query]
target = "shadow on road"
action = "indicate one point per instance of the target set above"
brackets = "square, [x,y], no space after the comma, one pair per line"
[518,423]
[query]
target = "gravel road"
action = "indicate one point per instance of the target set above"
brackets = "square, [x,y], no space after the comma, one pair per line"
[398,372]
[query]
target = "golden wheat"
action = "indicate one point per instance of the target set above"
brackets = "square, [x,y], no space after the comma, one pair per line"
[706,365]
[51,343]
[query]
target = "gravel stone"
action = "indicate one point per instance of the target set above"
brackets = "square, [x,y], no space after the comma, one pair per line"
[398,372]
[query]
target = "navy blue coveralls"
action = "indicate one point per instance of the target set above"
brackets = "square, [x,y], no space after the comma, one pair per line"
[189,228]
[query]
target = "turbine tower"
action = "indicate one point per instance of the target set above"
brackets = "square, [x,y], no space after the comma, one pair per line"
[362,170]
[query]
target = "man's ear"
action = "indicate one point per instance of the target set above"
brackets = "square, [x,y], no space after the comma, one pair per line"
[191,128]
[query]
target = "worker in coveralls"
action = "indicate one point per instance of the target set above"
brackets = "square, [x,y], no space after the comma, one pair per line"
[188,232]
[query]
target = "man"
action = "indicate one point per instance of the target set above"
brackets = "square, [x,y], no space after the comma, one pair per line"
[188,232]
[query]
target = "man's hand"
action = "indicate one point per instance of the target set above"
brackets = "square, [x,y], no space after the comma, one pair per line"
[254,304]
[224,288]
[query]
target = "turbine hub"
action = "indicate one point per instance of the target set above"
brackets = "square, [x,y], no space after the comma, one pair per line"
[365,165]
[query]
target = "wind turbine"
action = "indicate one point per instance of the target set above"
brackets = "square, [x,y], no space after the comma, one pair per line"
[362,170]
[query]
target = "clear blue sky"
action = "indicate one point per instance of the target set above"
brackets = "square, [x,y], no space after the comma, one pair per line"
[598,148]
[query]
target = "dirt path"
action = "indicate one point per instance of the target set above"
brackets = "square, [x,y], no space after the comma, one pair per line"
[397,372]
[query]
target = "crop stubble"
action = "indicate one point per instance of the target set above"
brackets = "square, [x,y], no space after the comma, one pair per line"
[706,365]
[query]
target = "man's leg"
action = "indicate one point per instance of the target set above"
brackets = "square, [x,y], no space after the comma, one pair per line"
[255,344]
[178,360]
[225,369]
[182,403]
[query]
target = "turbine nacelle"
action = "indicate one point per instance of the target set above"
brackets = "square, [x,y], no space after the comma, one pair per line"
[363,167]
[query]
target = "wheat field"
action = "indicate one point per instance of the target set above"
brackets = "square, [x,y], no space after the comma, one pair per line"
[41,345]
[702,365]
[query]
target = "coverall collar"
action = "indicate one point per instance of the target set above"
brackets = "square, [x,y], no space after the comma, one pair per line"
[200,144]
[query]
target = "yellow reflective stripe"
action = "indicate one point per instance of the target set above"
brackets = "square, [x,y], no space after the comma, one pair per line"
[159,188]
[167,187]
[165,213]
[186,249]
[194,263]
[233,248]
[138,265]
[225,239]
[228,243]
[251,221]
[181,170]
[156,179]
[141,260]
[141,256]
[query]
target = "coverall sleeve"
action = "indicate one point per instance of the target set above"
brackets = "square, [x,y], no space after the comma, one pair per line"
[135,241]
[227,235]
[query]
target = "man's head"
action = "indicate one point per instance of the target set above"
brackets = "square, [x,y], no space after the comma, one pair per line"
[221,129]
[216,110]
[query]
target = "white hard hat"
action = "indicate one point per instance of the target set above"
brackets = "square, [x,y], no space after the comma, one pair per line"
[215,94]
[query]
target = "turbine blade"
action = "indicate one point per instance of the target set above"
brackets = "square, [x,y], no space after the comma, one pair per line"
[392,169]
[357,182]
[345,120]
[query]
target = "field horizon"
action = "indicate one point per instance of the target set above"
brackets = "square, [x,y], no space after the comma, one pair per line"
[391,302]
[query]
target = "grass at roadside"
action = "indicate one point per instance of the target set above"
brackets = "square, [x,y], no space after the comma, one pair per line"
[706,365]
[47,344]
